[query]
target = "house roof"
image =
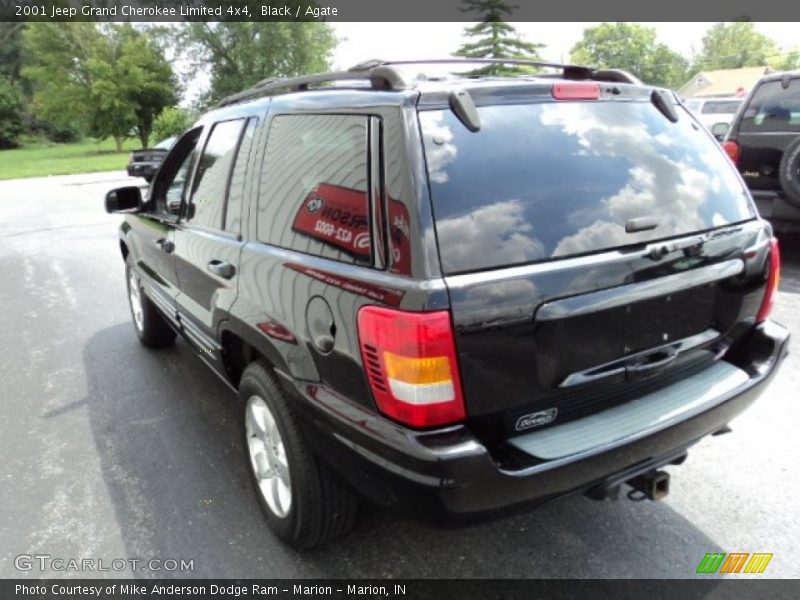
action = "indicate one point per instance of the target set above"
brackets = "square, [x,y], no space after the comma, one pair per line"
[723,82]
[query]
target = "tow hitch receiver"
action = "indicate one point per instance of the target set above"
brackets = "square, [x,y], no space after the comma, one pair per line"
[653,485]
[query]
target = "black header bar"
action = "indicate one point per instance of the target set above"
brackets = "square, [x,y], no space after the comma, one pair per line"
[392,10]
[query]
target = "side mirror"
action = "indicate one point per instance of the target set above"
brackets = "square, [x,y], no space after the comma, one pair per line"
[718,130]
[124,199]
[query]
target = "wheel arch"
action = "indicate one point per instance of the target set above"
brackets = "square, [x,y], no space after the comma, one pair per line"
[241,347]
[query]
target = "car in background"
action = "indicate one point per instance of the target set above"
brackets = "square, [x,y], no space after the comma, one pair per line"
[711,111]
[146,162]
[763,142]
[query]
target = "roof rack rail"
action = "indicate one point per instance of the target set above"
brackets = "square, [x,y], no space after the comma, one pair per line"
[382,75]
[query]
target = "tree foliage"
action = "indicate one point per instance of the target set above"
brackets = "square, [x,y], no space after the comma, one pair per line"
[239,54]
[57,66]
[107,80]
[11,51]
[11,120]
[149,78]
[172,122]
[633,48]
[494,38]
[735,45]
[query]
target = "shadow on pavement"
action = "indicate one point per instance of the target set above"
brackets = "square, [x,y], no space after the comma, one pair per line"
[167,436]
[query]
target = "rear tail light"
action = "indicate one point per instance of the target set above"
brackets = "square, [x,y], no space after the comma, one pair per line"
[576,90]
[773,279]
[410,360]
[732,150]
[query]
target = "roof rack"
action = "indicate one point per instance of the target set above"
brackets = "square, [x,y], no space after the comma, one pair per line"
[383,75]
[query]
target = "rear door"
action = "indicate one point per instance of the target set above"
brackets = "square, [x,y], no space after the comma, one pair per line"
[771,121]
[592,250]
[208,240]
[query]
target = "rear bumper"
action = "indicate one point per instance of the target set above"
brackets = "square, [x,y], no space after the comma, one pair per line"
[142,169]
[449,474]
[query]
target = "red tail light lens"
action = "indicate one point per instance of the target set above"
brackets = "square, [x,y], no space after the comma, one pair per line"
[410,360]
[576,90]
[773,279]
[732,150]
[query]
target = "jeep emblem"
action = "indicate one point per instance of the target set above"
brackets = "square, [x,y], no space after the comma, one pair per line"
[537,419]
[314,204]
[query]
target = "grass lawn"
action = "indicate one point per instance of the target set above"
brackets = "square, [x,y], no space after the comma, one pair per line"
[46,158]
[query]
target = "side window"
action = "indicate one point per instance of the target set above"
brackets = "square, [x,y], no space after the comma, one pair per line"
[313,191]
[211,178]
[170,185]
[233,212]
[773,108]
[178,184]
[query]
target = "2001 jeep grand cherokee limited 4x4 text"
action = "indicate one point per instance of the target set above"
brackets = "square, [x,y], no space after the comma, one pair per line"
[456,296]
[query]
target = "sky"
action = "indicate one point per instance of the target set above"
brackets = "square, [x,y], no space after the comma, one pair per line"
[362,41]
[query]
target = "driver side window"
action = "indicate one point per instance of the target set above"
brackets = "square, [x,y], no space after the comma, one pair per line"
[170,187]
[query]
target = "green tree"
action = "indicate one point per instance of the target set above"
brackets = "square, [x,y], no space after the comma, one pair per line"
[57,58]
[788,61]
[633,48]
[239,54]
[494,38]
[11,51]
[172,122]
[11,119]
[106,80]
[149,78]
[734,45]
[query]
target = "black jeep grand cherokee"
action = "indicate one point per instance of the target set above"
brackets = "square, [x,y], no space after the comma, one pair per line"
[457,296]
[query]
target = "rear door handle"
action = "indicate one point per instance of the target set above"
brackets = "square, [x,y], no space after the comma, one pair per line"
[165,245]
[652,362]
[222,269]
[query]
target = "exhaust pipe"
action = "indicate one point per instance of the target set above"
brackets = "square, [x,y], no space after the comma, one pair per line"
[653,485]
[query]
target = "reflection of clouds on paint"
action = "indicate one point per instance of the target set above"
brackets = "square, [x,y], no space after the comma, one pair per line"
[659,185]
[498,233]
[510,301]
[439,147]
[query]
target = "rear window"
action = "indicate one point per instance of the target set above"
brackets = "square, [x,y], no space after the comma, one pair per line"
[548,180]
[721,107]
[773,108]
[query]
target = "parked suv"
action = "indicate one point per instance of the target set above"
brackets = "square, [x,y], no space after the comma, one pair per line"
[456,296]
[764,143]
[713,111]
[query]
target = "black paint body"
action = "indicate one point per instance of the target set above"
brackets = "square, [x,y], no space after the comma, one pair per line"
[520,330]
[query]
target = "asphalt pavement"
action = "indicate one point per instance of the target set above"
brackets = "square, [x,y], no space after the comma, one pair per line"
[112,451]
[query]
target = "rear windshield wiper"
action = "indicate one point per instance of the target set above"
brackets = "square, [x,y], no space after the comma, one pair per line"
[664,102]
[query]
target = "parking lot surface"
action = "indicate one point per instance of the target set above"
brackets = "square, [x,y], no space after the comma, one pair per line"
[114,451]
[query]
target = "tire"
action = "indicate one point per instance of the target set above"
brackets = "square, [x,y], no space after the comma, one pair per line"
[789,173]
[151,328]
[148,178]
[318,507]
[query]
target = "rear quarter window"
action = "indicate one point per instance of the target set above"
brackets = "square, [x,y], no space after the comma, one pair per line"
[549,180]
[313,192]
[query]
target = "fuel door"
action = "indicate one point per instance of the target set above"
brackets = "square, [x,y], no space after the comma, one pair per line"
[320,323]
